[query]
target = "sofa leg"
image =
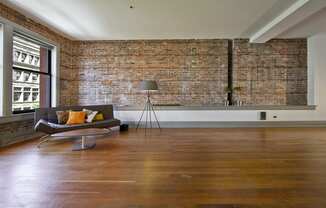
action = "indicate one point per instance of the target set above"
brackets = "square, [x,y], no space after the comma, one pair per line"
[43,139]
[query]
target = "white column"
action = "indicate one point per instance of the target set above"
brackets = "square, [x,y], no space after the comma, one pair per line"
[317,72]
[6,50]
[55,81]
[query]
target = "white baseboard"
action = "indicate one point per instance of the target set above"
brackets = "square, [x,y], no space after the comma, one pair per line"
[233,124]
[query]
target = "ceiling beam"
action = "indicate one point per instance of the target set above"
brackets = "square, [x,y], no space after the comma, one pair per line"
[296,13]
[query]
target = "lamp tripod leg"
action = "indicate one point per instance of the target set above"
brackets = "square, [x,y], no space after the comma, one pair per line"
[141,116]
[150,116]
[158,123]
[147,108]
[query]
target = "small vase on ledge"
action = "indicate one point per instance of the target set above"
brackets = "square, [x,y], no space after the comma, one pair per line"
[228,92]
[238,101]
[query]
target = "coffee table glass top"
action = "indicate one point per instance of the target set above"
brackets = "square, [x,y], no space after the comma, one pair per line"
[82,132]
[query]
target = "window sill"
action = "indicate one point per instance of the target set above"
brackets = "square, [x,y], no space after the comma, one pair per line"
[16,117]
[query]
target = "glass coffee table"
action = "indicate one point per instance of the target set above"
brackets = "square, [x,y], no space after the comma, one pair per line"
[86,142]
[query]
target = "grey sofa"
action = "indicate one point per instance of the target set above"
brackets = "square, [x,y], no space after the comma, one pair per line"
[46,119]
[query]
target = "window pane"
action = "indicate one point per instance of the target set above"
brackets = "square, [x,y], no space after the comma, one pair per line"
[29,55]
[31,74]
[30,93]
[17,96]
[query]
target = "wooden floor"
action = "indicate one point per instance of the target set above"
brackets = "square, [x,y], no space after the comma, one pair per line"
[204,168]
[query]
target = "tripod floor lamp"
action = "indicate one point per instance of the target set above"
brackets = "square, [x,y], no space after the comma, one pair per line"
[148,86]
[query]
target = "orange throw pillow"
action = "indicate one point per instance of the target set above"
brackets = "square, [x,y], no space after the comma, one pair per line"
[76,117]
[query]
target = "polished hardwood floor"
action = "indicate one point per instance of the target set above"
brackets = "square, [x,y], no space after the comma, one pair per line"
[186,168]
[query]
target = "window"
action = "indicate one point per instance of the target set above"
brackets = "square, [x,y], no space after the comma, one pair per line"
[28,68]
[31,84]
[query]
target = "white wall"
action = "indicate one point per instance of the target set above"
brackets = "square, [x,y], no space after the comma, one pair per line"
[317,64]
[5,69]
[316,96]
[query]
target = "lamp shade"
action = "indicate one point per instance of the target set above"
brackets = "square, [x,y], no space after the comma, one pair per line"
[148,85]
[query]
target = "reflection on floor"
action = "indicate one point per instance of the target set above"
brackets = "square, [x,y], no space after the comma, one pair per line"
[173,168]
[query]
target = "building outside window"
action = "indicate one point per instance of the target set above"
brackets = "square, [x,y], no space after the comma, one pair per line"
[31,75]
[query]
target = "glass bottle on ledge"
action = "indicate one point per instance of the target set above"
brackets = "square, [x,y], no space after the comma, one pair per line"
[237,91]
[227,91]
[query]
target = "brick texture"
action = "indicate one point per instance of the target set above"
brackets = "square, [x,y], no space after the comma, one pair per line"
[192,72]
[274,73]
[17,131]
[189,72]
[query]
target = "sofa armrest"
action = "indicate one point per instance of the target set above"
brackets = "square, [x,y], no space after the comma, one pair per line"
[43,126]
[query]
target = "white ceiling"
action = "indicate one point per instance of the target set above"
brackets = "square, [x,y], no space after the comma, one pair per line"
[152,19]
[315,24]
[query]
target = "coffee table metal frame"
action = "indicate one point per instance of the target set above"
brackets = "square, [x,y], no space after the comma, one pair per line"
[82,133]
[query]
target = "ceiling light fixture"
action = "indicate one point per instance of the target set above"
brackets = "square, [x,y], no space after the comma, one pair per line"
[131,4]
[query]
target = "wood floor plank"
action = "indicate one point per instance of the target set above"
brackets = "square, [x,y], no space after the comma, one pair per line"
[204,168]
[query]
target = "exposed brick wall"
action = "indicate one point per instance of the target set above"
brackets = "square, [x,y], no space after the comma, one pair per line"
[192,72]
[274,73]
[17,131]
[189,72]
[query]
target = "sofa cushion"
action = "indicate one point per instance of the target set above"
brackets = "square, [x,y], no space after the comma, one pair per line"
[76,117]
[90,115]
[62,116]
[52,117]
[99,117]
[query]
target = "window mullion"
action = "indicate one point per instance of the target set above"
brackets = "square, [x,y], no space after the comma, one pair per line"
[28,70]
